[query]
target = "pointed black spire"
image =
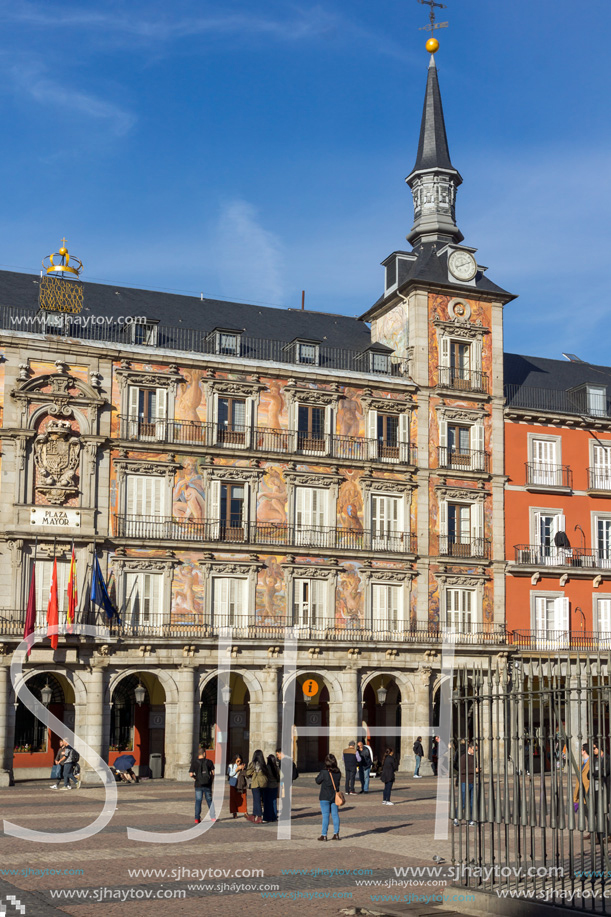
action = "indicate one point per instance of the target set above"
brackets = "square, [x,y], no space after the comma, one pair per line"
[433,149]
[433,180]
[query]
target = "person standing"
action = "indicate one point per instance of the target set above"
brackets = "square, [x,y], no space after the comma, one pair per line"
[387,775]
[350,765]
[582,781]
[270,792]
[365,761]
[435,755]
[599,785]
[467,771]
[237,796]
[330,781]
[288,775]
[202,772]
[419,753]
[65,758]
[259,776]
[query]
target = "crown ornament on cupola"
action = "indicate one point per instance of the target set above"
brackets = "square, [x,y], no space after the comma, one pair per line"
[60,289]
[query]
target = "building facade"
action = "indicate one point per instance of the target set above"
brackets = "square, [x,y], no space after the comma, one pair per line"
[233,466]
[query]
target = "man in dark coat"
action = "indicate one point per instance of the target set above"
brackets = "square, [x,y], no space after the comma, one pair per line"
[350,765]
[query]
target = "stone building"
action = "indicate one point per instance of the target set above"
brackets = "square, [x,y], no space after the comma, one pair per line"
[233,465]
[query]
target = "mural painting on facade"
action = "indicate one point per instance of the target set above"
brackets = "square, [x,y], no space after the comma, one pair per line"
[391,329]
[350,501]
[190,398]
[350,419]
[273,411]
[349,607]
[187,591]
[271,600]
[189,493]
[434,611]
[272,499]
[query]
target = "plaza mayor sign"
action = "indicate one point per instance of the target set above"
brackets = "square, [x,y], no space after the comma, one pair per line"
[51,517]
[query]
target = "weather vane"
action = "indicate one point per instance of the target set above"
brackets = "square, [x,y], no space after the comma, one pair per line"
[432,44]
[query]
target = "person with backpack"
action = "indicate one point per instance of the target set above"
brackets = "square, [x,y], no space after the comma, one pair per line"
[259,775]
[330,781]
[387,775]
[364,761]
[419,753]
[202,771]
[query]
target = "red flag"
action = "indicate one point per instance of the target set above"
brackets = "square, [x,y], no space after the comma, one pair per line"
[30,615]
[72,596]
[53,607]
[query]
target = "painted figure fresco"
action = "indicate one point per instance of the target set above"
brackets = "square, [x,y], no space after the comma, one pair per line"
[188,500]
[187,591]
[272,410]
[349,599]
[271,598]
[350,415]
[272,501]
[190,400]
[350,502]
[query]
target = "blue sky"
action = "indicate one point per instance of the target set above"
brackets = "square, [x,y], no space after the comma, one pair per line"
[250,150]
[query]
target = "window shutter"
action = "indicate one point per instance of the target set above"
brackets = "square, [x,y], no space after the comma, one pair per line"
[328,420]
[319,501]
[443,435]
[559,523]
[316,603]
[133,411]
[562,610]
[602,459]
[379,605]
[394,599]
[445,351]
[476,356]
[443,518]
[215,509]
[477,535]
[604,617]
[541,614]
[161,426]
[220,599]
[132,597]
[404,428]
[372,434]
[477,446]
[300,600]
[537,528]
[300,506]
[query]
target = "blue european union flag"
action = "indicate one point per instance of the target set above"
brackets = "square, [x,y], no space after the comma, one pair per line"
[99,593]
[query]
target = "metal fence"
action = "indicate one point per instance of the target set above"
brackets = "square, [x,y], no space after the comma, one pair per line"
[530,794]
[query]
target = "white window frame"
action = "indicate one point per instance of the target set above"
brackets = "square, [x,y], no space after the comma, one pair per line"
[249,414]
[601,620]
[601,471]
[549,474]
[602,557]
[402,437]
[477,440]
[461,626]
[222,587]
[148,588]
[138,427]
[596,392]
[475,352]
[318,594]
[44,572]
[140,489]
[383,618]
[298,354]
[327,431]
[547,555]
[562,615]
[313,502]
[214,498]
[477,540]
[150,330]
[384,540]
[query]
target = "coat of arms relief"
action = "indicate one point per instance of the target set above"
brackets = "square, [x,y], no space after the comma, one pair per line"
[57,454]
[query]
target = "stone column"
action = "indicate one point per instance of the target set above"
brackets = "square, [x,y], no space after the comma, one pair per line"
[90,722]
[264,716]
[422,719]
[180,748]
[7,727]
[345,713]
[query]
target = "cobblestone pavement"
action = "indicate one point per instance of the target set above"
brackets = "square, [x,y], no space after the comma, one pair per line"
[93,877]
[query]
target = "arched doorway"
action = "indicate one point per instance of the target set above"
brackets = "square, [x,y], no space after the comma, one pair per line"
[35,746]
[137,723]
[311,710]
[239,717]
[382,710]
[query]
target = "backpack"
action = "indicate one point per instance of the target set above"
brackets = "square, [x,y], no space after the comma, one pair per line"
[366,758]
[416,748]
[75,756]
[204,772]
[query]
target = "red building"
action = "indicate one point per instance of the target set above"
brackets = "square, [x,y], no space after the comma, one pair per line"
[558,502]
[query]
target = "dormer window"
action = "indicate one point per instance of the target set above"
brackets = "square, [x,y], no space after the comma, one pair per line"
[305,351]
[391,274]
[397,267]
[376,359]
[597,400]
[144,333]
[58,323]
[226,341]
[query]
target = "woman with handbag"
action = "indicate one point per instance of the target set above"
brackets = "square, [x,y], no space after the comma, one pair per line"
[259,776]
[237,787]
[330,796]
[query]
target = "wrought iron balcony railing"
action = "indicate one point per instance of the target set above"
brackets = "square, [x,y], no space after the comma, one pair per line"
[530,398]
[246,627]
[540,474]
[172,528]
[562,640]
[598,479]
[457,546]
[189,340]
[463,380]
[265,439]
[534,555]
[461,460]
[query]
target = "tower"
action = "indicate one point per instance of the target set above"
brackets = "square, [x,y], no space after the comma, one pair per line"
[441,312]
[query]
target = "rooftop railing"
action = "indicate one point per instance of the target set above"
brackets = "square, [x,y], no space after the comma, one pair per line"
[190,340]
[554,401]
[172,528]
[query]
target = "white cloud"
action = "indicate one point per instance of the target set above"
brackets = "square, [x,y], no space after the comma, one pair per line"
[248,257]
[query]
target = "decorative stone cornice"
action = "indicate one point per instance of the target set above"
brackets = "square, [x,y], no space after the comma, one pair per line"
[384,485]
[386,405]
[247,475]
[312,478]
[311,571]
[128,376]
[124,465]
[381,575]
[150,564]
[234,387]
[464,415]
[461,329]
[231,567]
[29,390]
[449,579]
[471,495]
[316,396]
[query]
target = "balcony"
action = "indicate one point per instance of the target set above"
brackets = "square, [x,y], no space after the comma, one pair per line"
[171,528]
[540,476]
[577,559]
[599,482]
[527,399]
[551,640]
[459,547]
[455,460]
[463,380]
[265,439]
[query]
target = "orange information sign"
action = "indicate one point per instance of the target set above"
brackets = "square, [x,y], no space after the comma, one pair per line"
[310,687]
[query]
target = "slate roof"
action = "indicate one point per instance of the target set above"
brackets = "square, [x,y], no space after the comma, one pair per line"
[431,268]
[538,382]
[190,312]
[433,151]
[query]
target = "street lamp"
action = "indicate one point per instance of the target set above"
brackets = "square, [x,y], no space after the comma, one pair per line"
[226,693]
[306,698]
[381,693]
[140,693]
[46,694]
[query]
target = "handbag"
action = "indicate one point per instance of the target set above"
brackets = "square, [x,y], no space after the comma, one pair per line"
[56,772]
[241,782]
[340,799]
[233,781]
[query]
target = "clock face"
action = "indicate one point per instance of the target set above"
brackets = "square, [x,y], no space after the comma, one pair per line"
[462,265]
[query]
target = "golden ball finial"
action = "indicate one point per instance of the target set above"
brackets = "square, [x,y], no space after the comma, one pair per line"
[432,45]
[63,250]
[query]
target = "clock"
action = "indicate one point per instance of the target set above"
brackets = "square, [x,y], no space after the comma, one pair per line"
[462,265]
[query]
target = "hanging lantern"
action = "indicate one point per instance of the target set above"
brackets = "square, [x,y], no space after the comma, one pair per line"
[226,694]
[306,698]
[140,693]
[381,693]
[46,694]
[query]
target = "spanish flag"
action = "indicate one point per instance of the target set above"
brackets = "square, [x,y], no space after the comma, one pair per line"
[72,596]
